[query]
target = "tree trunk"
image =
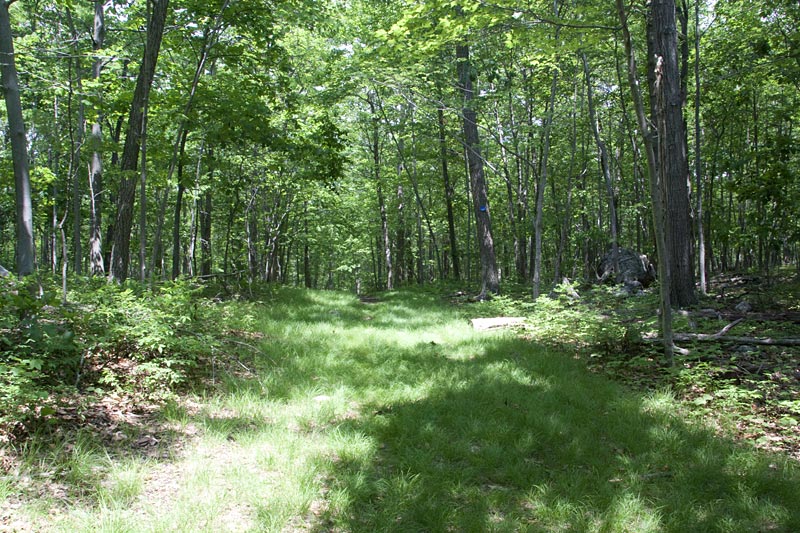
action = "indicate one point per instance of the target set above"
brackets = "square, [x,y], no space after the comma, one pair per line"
[120,256]
[176,222]
[666,103]
[376,164]
[76,140]
[511,204]
[490,281]
[307,281]
[656,187]
[96,266]
[157,254]
[19,146]
[205,236]
[563,240]
[412,176]
[698,169]
[448,196]
[401,270]
[251,231]
[603,153]
[540,188]
[143,197]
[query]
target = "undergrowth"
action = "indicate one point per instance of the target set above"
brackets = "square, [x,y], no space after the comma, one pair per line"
[298,410]
[108,339]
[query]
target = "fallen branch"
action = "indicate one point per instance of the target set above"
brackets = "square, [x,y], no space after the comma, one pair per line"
[722,337]
[789,341]
[486,324]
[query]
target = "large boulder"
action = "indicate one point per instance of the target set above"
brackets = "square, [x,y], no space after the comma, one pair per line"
[634,268]
[3,272]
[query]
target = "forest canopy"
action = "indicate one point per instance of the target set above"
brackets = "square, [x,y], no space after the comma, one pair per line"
[368,145]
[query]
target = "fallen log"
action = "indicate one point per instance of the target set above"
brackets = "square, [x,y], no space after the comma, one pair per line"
[768,341]
[486,324]
[721,336]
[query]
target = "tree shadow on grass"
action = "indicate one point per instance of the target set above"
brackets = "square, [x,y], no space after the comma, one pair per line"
[532,442]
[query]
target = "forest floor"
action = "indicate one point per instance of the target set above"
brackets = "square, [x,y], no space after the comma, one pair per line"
[323,412]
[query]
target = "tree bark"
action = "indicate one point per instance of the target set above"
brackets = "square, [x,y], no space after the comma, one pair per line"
[120,255]
[143,197]
[540,188]
[603,155]
[19,146]
[205,236]
[448,196]
[698,169]
[96,266]
[666,103]
[490,280]
[176,222]
[375,149]
[77,140]
[656,187]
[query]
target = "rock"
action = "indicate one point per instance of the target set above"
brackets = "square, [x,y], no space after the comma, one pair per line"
[744,307]
[632,287]
[567,289]
[3,272]
[634,267]
[746,348]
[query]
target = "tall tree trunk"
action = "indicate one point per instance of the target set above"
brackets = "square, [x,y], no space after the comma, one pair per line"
[176,222]
[401,271]
[307,281]
[448,196]
[19,146]
[120,255]
[603,153]
[143,197]
[698,169]
[205,236]
[538,225]
[666,102]
[563,240]
[77,140]
[375,149]
[157,254]
[412,176]
[490,280]
[511,204]
[656,187]
[420,251]
[96,266]
[251,231]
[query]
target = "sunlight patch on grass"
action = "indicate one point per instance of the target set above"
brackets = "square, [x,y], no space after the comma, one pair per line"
[397,416]
[630,513]
[122,484]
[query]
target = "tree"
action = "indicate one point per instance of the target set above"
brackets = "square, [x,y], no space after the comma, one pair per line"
[19,145]
[120,255]
[96,266]
[657,188]
[666,104]
[490,281]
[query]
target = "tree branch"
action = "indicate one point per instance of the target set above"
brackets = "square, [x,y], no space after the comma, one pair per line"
[720,336]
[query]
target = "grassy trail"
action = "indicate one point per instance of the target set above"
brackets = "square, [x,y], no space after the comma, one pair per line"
[396,416]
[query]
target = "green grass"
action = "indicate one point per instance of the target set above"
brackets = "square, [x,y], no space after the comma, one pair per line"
[397,416]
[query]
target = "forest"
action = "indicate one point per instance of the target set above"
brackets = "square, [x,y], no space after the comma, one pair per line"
[220,219]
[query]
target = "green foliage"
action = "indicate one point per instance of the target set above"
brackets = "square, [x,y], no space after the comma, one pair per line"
[164,333]
[125,338]
[38,350]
